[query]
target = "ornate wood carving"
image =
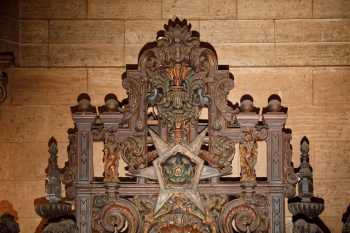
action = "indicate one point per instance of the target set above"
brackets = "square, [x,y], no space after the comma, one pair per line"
[177,163]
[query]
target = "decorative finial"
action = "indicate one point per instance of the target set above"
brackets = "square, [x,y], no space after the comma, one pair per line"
[53,180]
[84,104]
[247,104]
[305,171]
[274,105]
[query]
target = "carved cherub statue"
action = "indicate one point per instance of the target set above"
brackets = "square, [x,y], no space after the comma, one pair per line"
[111,158]
[248,156]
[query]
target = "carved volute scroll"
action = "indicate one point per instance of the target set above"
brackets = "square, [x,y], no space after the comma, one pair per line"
[178,162]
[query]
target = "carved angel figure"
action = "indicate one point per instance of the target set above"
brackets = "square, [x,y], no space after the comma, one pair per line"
[248,156]
[111,159]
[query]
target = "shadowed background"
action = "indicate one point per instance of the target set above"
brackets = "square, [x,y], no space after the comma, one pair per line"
[299,49]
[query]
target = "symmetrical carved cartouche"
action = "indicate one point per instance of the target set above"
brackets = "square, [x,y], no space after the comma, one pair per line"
[177,160]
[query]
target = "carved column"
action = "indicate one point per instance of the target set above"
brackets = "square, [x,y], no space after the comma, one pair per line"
[84,114]
[277,205]
[275,122]
[84,150]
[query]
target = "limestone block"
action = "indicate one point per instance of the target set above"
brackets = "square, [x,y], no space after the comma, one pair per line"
[85,55]
[332,159]
[246,54]
[312,54]
[27,192]
[133,9]
[102,81]
[39,9]
[34,9]
[33,55]
[132,53]
[313,30]
[21,195]
[5,160]
[47,86]
[86,32]
[331,9]
[197,9]
[33,31]
[274,9]
[293,85]
[34,123]
[231,31]
[331,86]
[68,9]
[319,123]
[144,31]
[336,194]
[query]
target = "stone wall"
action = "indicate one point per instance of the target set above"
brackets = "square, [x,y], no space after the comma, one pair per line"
[299,49]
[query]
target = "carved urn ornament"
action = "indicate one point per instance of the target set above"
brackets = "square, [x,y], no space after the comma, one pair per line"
[178,163]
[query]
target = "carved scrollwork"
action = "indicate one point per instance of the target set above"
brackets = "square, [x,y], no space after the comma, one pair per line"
[222,152]
[115,216]
[135,87]
[134,155]
[238,216]
[245,216]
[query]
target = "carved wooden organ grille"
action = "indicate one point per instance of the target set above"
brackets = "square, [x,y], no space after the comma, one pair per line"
[177,162]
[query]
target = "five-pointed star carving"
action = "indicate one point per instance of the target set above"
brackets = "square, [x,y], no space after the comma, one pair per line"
[191,151]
